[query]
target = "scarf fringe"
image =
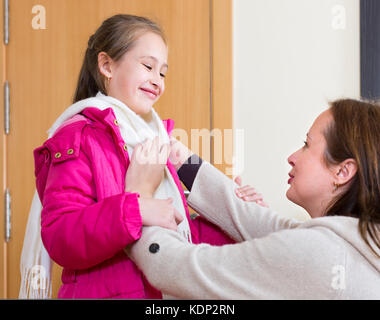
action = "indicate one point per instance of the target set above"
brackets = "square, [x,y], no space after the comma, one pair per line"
[35,284]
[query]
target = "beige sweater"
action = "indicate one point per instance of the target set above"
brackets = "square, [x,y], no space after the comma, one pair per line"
[275,257]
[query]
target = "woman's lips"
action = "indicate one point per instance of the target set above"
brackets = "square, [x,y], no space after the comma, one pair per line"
[150,93]
[291,178]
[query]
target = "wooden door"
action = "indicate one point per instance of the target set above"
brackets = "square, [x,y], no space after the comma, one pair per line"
[42,66]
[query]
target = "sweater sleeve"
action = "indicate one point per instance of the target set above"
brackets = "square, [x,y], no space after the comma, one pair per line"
[289,264]
[78,229]
[206,231]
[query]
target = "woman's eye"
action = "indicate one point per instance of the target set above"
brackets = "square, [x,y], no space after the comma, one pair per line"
[305,145]
[162,75]
[147,66]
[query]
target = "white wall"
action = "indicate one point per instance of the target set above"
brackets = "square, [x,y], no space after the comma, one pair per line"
[290,58]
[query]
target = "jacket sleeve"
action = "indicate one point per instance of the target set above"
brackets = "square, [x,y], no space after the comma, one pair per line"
[78,230]
[289,264]
[212,195]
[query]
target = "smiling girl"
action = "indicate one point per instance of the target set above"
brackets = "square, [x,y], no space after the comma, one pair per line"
[91,207]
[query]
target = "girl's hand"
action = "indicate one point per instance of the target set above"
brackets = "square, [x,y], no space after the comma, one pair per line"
[179,153]
[158,212]
[146,170]
[249,194]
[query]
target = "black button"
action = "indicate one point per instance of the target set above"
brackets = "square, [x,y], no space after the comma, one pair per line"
[154,247]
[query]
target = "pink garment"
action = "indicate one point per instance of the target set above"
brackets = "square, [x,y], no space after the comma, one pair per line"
[88,218]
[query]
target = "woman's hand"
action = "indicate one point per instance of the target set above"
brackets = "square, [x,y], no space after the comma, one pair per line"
[249,194]
[158,212]
[179,153]
[146,170]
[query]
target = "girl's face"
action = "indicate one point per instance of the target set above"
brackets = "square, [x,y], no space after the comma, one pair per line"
[311,181]
[138,78]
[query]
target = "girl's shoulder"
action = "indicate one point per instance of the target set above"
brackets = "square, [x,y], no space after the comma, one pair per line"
[65,142]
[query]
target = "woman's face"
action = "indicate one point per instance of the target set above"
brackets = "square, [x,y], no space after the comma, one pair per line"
[311,181]
[138,78]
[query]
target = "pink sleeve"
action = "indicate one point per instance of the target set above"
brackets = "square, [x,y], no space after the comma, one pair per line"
[210,233]
[78,230]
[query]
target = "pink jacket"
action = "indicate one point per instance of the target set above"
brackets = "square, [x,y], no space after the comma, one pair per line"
[88,218]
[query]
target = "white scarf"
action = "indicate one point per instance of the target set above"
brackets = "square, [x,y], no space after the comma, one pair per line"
[35,264]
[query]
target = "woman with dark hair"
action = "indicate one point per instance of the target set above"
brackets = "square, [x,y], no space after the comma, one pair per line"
[335,177]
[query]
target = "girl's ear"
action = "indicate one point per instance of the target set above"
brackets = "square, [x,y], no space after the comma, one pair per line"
[104,64]
[346,171]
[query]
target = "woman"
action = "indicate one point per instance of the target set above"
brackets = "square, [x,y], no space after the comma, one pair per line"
[335,176]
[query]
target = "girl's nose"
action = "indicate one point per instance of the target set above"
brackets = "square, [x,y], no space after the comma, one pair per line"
[156,80]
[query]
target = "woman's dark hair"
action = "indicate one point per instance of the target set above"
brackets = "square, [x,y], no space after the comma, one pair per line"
[355,134]
[115,37]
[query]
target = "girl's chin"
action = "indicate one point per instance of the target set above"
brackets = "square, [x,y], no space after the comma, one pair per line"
[144,110]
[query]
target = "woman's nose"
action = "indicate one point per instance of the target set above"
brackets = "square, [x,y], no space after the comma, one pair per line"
[292,159]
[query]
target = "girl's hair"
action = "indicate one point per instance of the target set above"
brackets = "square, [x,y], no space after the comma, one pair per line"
[115,37]
[355,133]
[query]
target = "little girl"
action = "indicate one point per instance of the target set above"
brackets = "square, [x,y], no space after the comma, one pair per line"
[91,210]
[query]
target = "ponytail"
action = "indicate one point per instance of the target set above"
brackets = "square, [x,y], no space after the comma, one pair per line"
[87,85]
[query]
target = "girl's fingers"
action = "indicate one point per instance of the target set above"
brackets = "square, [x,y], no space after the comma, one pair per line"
[139,154]
[164,154]
[147,144]
[137,151]
[178,217]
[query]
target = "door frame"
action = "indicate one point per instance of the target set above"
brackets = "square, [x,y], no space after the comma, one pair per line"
[221,64]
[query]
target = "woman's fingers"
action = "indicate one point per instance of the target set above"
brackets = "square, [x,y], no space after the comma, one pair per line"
[249,194]
[238,180]
[253,198]
[245,191]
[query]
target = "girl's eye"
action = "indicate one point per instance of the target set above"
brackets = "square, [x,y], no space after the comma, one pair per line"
[162,75]
[147,66]
[305,144]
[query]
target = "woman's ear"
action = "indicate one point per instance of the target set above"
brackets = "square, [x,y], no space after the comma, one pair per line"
[105,64]
[346,170]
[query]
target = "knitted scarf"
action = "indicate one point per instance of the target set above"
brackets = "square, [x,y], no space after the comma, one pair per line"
[35,264]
